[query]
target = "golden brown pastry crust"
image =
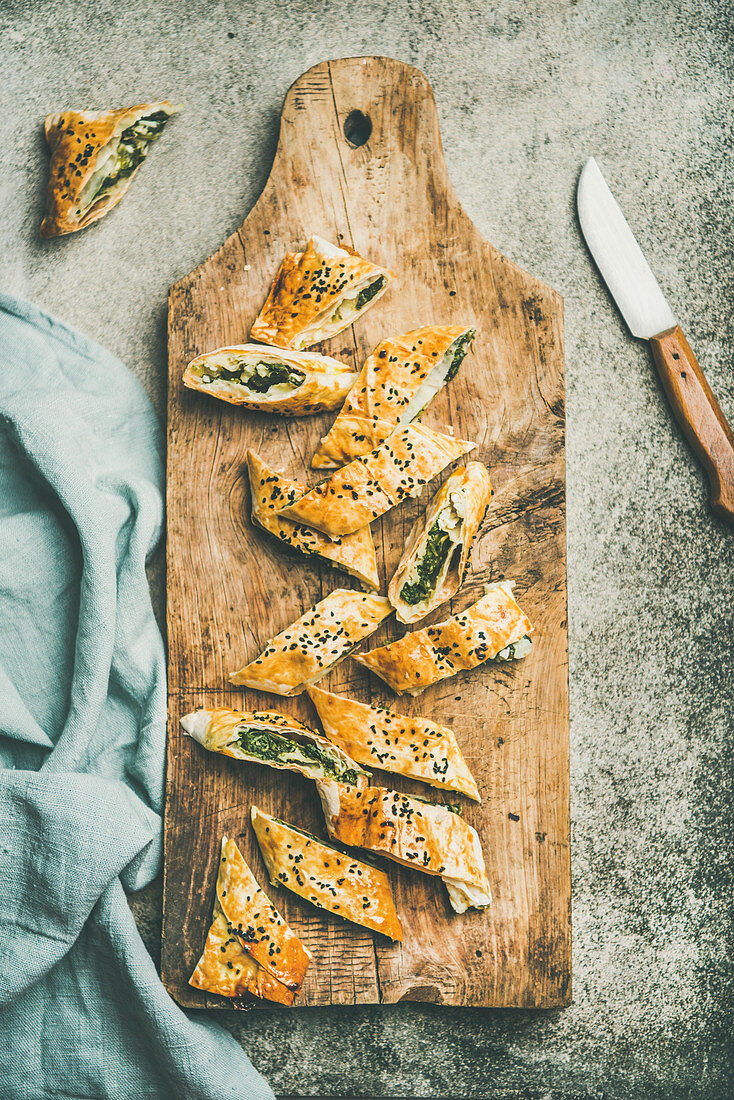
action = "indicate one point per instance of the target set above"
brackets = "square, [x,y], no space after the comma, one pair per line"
[369,486]
[305,651]
[218,731]
[378,738]
[76,139]
[464,641]
[306,290]
[470,488]
[418,834]
[226,969]
[390,377]
[249,947]
[328,878]
[326,382]
[271,491]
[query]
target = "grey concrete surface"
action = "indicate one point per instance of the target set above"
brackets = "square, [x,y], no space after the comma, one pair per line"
[525,92]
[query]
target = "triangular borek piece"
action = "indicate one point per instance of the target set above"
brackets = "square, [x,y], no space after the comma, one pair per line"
[405,744]
[249,947]
[271,491]
[493,628]
[316,294]
[94,156]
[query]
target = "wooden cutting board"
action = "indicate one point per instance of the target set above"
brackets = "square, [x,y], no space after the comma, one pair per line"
[230,588]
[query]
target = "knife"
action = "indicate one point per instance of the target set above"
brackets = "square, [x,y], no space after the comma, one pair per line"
[649,317]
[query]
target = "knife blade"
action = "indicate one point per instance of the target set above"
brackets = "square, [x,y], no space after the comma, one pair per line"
[648,316]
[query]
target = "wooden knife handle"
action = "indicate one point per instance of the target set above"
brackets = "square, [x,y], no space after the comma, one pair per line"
[697,410]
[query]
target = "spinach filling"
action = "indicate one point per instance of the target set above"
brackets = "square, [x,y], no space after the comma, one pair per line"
[367,294]
[133,149]
[454,807]
[461,347]
[269,746]
[260,377]
[508,653]
[437,549]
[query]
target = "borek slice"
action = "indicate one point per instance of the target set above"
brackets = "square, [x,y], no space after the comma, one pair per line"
[494,628]
[266,737]
[94,157]
[290,383]
[423,835]
[317,293]
[271,491]
[436,555]
[395,384]
[304,652]
[325,876]
[249,948]
[407,745]
[369,486]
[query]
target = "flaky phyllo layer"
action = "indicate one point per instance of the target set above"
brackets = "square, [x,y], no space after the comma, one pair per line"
[492,629]
[266,737]
[310,647]
[317,293]
[326,876]
[369,486]
[94,159]
[423,835]
[398,380]
[405,744]
[249,949]
[271,491]
[271,379]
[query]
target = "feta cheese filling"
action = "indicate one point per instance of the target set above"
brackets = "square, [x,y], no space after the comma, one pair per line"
[259,377]
[443,371]
[120,158]
[345,311]
[466,895]
[519,647]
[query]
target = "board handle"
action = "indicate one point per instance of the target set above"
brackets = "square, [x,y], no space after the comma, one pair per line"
[699,415]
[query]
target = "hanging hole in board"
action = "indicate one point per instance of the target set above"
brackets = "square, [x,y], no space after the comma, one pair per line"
[357,128]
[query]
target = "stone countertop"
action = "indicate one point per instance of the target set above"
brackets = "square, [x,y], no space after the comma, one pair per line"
[525,93]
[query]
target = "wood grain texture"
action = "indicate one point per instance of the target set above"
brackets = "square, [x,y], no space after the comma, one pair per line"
[699,415]
[230,588]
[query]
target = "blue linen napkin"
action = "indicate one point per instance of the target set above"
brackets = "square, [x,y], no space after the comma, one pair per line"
[82,732]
